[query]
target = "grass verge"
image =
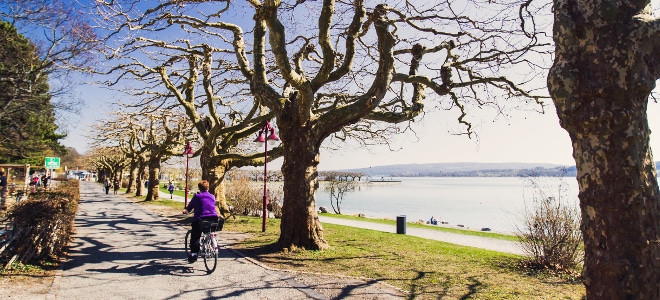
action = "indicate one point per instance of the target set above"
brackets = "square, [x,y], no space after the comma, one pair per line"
[486,234]
[425,269]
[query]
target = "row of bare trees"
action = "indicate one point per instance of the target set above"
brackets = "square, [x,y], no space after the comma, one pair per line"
[357,73]
[138,143]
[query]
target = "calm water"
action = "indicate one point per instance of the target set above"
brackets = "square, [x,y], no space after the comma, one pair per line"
[475,202]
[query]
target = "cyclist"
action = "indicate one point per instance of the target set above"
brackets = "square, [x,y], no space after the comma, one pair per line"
[203,205]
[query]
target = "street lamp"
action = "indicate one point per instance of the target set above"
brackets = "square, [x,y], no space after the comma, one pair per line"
[261,139]
[187,152]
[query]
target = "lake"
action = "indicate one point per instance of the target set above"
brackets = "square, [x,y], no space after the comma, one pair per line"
[497,203]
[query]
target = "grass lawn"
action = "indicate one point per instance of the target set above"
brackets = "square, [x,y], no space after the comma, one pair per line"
[424,268]
[175,193]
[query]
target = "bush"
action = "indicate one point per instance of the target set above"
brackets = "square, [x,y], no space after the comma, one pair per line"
[550,233]
[245,197]
[43,225]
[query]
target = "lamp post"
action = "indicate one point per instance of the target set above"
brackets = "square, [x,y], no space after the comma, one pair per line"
[187,151]
[262,138]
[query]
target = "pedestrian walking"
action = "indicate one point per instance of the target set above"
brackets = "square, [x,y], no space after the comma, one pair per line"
[106,184]
[33,183]
[115,185]
[45,180]
[3,187]
[170,188]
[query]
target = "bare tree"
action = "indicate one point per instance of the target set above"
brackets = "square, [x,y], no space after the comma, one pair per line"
[137,156]
[64,38]
[145,139]
[605,67]
[373,63]
[72,160]
[338,185]
[350,73]
[164,136]
[172,69]
[119,132]
[108,161]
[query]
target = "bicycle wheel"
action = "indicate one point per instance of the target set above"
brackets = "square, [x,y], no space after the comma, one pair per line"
[210,254]
[186,243]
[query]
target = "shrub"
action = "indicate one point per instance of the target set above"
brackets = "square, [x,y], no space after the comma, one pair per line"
[43,224]
[245,197]
[550,232]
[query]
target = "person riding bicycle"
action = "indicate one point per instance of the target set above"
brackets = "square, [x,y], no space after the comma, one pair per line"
[203,205]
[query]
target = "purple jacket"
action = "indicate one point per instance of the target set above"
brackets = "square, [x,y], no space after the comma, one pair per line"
[203,204]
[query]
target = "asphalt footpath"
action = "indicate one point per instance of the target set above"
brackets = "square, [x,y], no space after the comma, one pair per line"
[453,238]
[121,250]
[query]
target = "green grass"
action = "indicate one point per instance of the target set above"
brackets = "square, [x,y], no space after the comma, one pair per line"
[175,193]
[429,227]
[424,268]
[122,191]
[169,203]
[161,201]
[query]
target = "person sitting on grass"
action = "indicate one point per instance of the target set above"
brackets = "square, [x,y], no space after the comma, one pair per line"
[434,221]
[203,205]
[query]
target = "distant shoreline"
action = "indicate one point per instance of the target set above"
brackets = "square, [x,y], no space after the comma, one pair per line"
[467,170]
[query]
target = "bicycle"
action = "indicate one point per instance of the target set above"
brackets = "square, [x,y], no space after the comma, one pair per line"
[208,245]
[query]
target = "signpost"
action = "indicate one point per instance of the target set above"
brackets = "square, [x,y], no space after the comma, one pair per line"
[52,163]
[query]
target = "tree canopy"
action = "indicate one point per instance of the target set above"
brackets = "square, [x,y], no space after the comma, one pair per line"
[27,118]
[42,42]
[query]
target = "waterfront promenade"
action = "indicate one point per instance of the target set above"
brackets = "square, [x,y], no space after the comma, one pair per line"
[458,239]
[122,250]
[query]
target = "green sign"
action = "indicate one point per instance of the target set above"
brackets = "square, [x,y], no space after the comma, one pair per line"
[52,163]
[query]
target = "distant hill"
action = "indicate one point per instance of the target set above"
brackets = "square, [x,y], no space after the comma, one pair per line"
[468,169]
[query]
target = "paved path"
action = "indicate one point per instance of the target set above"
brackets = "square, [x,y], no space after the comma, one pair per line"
[122,251]
[458,239]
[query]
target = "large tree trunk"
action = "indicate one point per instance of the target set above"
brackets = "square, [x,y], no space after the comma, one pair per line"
[131,178]
[300,226]
[154,181]
[600,82]
[215,175]
[138,181]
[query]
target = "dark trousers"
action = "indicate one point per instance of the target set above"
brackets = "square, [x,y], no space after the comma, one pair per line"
[107,190]
[197,232]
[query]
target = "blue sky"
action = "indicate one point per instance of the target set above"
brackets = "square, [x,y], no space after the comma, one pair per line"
[524,136]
